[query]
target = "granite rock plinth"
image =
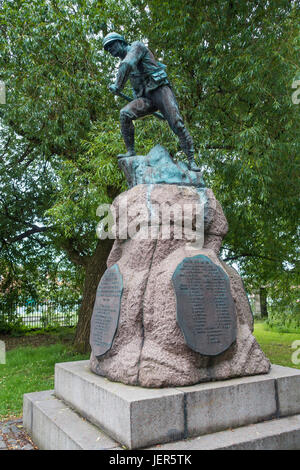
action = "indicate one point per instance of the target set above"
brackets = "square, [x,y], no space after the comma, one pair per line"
[149,348]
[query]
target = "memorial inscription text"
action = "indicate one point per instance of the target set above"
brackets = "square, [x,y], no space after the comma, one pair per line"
[205,308]
[106,311]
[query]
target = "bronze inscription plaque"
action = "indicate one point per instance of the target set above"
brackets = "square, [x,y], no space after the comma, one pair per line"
[105,318]
[205,307]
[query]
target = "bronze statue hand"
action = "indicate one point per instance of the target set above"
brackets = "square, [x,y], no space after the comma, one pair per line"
[113,88]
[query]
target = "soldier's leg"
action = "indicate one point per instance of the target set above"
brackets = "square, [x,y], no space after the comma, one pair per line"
[165,101]
[133,110]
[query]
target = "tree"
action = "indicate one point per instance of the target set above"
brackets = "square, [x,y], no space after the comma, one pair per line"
[28,255]
[56,89]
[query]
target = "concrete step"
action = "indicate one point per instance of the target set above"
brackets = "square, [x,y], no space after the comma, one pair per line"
[277,434]
[54,426]
[138,417]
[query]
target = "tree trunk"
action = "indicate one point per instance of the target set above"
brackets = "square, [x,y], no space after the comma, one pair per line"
[94,269]
[263,302]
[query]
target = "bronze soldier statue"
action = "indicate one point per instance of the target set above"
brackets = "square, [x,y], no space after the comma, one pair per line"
[151,89]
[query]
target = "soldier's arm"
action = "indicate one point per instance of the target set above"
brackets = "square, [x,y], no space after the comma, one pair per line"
[134,55]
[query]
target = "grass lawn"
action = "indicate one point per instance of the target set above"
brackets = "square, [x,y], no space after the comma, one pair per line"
[277,346]
[30,369]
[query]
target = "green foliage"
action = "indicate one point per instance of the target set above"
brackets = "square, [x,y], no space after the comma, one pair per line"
[54,92]
[11,325]
[284,312]
[93,179]
[283,322]
[60,332]
[31,265]
[233,65]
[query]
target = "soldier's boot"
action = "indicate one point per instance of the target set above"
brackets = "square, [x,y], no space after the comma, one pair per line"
[187,145]
[127,130]
[192,164]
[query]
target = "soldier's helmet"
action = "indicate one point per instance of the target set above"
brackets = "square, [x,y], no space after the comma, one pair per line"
[111,37]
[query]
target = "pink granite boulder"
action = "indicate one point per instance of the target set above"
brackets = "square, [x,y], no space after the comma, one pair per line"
[149,348]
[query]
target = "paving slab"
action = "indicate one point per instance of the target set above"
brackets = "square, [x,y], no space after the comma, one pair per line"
[14,437]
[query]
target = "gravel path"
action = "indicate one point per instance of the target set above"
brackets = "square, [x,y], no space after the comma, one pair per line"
[14,437]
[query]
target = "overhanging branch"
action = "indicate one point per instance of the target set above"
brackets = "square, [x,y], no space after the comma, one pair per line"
[32,231]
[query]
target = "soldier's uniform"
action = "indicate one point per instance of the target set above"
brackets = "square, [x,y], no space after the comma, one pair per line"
[152,92]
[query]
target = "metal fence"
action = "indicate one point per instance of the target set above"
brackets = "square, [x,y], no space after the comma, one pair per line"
[40,314]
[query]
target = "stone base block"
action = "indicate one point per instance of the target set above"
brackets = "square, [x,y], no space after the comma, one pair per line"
[134,416]
[138,417]
[54,426]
